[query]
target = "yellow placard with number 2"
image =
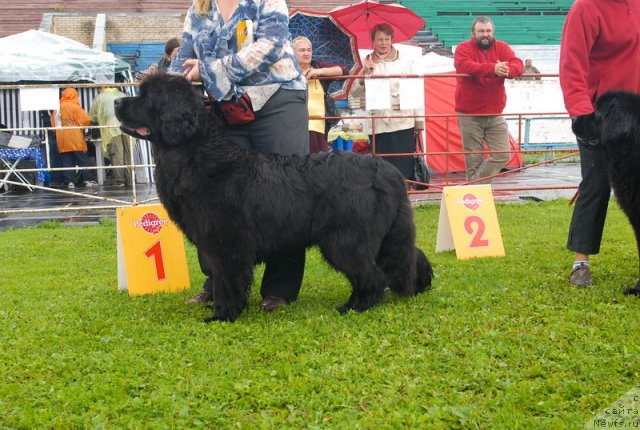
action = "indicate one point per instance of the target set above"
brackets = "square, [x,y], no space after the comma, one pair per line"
[469,222]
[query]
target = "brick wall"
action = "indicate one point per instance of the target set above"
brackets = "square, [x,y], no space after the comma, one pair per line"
[120,28]
[143,28]
[78,27]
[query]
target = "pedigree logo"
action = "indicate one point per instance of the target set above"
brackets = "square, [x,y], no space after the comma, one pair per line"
[151,223]
[470,201]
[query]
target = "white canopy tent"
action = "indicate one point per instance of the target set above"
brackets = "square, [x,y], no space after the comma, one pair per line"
[37,56]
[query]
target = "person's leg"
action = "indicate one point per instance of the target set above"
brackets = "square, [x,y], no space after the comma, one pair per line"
[281,126]
[127,158]
[82,160]
[57,178]
[206,295]
[472,135]
[68,176]
[589,214]
[283,275]
[496,134]
[398,142]
[116,155]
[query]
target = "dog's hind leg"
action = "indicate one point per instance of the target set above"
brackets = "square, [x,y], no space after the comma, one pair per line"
[635,291]
[367,285]
[366,278]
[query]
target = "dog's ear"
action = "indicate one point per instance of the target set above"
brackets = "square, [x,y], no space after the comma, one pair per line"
[617,112]
[180,120]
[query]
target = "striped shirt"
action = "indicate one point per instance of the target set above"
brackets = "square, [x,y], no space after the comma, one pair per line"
[230,66]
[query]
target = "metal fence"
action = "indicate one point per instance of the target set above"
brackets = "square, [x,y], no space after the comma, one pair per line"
[542,138]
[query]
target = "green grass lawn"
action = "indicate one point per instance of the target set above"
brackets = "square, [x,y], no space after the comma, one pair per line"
[498,342]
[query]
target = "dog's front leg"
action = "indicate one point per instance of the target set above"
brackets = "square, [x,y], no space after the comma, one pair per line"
[230,291]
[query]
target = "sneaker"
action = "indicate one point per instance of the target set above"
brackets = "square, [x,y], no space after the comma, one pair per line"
[90,184]
[581,276]
[71,185]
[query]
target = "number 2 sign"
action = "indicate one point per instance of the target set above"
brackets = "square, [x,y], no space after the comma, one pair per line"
[151,256]
[469,222]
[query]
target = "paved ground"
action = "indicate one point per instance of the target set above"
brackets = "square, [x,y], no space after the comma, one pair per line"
[536,183]
[21,207]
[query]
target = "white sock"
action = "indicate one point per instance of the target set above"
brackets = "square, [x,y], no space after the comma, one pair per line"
[580,263]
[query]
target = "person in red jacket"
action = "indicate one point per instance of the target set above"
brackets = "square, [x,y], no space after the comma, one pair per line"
[482,96]
[599,51]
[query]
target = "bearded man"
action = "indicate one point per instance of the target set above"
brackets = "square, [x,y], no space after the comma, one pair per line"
[481,97]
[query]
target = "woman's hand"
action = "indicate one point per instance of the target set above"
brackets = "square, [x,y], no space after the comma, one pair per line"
[192,70]
[312,73]
[367,68]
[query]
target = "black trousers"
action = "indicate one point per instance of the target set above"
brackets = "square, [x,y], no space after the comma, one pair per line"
[281,126]
[587,221]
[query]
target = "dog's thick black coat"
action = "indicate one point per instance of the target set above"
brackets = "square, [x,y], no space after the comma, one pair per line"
[618,115]
[238,206]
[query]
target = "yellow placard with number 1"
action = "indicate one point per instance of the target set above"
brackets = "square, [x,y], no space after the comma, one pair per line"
[469,222]
[151,256]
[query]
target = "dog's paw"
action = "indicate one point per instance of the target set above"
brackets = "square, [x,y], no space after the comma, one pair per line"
[635,291]
[221,318]
[355,307]
[343,309]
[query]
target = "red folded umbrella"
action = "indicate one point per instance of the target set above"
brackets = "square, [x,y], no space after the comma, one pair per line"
[360,18]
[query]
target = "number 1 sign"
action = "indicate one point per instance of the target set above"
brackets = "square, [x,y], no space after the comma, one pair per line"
[151,255]
[469,223]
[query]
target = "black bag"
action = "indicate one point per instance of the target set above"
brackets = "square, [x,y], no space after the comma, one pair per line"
[330,110]
[420,171]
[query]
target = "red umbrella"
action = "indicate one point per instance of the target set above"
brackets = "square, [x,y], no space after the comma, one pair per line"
[360,18]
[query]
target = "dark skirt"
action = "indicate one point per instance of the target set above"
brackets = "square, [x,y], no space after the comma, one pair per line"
[397,142]
[317,142]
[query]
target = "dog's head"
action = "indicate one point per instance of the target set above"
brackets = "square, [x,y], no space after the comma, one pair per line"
[618,113]
[168,111]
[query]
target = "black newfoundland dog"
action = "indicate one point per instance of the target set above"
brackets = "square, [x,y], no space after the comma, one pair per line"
[237,206]
[618,117]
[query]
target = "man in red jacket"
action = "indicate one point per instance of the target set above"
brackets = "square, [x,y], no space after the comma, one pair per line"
[600,51]
[482,96]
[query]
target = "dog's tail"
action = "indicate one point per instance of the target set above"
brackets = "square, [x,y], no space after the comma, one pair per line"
[407,269]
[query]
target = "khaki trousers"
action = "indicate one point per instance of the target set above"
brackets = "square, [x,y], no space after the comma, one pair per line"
[475,130]
[120,155]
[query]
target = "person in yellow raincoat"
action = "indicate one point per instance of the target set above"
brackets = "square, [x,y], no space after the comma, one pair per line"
[71,143]
[115,144]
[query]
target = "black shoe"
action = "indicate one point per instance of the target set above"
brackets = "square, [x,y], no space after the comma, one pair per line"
[204,296]
[272,303]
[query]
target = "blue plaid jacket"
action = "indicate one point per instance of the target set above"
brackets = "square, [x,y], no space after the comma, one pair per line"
[259,67]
